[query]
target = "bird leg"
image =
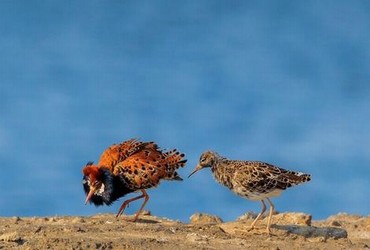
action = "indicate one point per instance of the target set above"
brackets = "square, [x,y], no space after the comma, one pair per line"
[272,208]
[146,198]
[258,216]
[126,202]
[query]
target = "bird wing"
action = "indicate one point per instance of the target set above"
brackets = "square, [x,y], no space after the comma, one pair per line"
[119,152]
[146,167]
[264,177]
[141,170]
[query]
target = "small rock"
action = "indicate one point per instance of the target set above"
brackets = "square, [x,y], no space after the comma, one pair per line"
[344,217]
[50,219]
[10,237]
[146,213]
[335,223]
[79,230]
[78,220]
[196,238]
[200,218]
[292,218]
[247,216]
[314,232]
[16,219]
[38,229]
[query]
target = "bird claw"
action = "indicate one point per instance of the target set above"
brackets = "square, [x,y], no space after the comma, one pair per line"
[130,219]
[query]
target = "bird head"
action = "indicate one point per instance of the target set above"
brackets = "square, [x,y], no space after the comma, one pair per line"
[94,183]
[206,160]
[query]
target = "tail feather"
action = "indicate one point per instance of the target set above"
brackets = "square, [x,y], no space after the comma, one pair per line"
[296,178]
[174,176]
[174,160]
[304,177]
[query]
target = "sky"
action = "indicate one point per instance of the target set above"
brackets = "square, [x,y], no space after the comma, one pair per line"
[283,82]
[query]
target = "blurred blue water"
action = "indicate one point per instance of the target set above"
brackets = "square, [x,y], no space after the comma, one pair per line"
[283,82]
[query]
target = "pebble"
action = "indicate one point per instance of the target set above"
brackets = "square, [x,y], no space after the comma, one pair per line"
[13,236]
[146,213]
[16,219]
[314,232]
[292,218]
[247,216]
[78,220]
[201,218]
[196,238]
[335,223]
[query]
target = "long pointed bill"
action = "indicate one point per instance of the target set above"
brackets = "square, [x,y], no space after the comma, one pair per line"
[90,194]
[196,169]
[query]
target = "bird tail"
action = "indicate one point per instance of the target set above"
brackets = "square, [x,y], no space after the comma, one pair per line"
[298,177]
[304,177]
[174,160]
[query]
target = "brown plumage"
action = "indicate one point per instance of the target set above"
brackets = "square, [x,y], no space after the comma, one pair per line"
[254,180]
[128,167]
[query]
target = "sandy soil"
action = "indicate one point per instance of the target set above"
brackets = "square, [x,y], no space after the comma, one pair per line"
[104,231]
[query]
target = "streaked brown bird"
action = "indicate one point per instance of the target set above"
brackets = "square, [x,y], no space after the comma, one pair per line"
[128,167]
[253,180]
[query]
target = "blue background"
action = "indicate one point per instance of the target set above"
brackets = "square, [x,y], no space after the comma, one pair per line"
[286,82]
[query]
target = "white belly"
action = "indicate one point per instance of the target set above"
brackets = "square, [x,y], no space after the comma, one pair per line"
[256,196]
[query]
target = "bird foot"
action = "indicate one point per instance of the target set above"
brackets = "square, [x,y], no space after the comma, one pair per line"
[268,230]
[130,219]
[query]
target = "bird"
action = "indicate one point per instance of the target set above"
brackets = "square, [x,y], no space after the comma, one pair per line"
[127,167]
[254,180]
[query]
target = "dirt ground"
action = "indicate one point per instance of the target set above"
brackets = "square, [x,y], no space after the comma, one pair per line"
[105,231]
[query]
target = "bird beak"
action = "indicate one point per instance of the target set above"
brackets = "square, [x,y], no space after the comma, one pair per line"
[196,169]
[89,195]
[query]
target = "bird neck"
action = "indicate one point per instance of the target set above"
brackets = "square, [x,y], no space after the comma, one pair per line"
[219,170]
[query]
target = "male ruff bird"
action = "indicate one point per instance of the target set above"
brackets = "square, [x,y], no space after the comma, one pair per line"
[253,180]
[129,167]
